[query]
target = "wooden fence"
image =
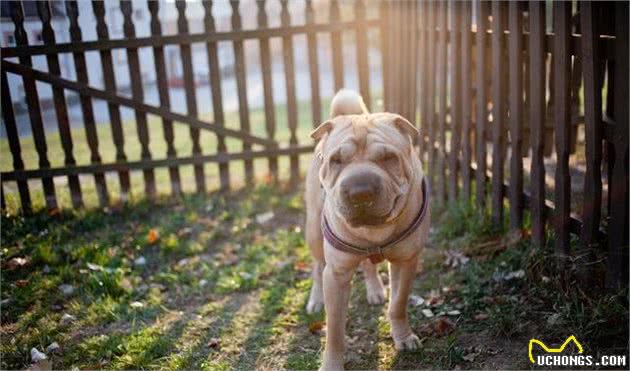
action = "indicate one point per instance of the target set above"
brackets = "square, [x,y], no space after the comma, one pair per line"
[512,104]
[496,83]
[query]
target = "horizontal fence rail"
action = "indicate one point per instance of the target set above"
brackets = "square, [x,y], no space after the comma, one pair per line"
[522,115]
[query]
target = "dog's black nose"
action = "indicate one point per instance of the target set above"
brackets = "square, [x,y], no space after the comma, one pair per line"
[361,190]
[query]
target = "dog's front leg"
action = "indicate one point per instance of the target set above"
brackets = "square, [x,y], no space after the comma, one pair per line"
[337,281]
[401,277]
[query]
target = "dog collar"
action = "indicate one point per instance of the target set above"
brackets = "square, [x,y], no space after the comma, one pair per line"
[375,253]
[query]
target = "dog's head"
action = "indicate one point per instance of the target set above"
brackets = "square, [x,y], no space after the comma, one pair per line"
[367,165]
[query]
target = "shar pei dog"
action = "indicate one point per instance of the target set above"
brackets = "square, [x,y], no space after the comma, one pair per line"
[366,201]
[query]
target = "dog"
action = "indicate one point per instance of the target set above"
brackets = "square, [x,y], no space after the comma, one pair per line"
[366,200]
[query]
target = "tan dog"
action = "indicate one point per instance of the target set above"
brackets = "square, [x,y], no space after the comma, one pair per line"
[366,179]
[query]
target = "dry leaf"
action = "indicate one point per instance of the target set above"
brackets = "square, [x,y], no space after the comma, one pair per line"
[316,327]
[301,266]
[153,236]
[17,262]
[481,316]
[21,283]
[214,343]
[443,326]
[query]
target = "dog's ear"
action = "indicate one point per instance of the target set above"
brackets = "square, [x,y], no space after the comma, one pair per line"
[322,129]
[406,127]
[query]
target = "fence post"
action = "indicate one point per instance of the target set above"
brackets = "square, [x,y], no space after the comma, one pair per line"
[516,114]
[289,78]
[86,103]
[498,109]
[34,110]
[138,95]
[241,87]
[592,121]
[165,101]
[266,70]
[456,102]
[482,101]
[442,95]
[562,116]
[362,55]
[466,98]
[191,97]
[59,98]
[335,44]
[537,65]
[217,99]
[14,143]
[109,80]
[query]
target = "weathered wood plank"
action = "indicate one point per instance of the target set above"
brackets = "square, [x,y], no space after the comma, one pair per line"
[430,93]
[384,10]
[362,53]
[241,87]
[215,88]
[335,43]
[32,101]
[8,116]
[482,95]
[562,117]
[270,113]
[498,109]
[313,65]
[442,92]
[137,92]
[165,101]
[591,61]
[191,96]
[87,110]
[455,9]
[466,102]
[289,76]
[537,77]
[515,51]
[59,99]
[109,80]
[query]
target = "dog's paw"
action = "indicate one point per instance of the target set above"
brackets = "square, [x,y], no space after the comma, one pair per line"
[375,294]
[314,305]
[410,342]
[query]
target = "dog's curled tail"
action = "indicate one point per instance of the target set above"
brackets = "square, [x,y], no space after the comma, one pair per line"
[347,102]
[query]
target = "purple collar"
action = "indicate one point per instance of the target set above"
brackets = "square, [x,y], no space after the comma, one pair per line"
[375,253]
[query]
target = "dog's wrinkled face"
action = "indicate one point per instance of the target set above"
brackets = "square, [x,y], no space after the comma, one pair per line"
[366,169]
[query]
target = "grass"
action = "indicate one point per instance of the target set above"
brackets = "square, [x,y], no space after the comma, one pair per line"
[221,291]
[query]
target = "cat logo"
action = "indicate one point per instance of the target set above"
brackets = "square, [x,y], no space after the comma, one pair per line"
[553,350]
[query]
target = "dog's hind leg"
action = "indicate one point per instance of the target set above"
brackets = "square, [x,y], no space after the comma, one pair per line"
[373,283]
